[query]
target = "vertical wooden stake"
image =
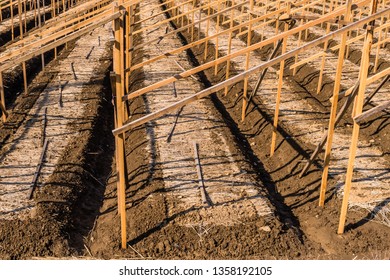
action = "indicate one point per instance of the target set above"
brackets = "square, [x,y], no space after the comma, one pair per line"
[229,47]
[217,39]
[12,20]
[120,140]
[299,44]
[207,31]
[320,76]
[359,100]
[378,47]
[246,80]
[21,37]
[193,20]
[279,90]
[333,111]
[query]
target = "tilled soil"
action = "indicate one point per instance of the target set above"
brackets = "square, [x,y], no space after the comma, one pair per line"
[66,206]
[76,211]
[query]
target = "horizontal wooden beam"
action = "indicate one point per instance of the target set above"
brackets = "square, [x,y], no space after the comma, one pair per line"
[258,45]
[359,119]
[187,26]
[244,74]
[19,59]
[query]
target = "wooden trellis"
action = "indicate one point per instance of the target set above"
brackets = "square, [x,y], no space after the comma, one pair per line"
[334,14]
[350,20]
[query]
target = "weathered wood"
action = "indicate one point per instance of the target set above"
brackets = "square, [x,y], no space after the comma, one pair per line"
[363,117]
[73,71]
[59,91]
[89,53]
[38,170]
[170,134]
[201,187]
[2,99]
[372,94]
[44,124]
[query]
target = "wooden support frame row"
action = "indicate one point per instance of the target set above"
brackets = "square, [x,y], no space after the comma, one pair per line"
[349,26]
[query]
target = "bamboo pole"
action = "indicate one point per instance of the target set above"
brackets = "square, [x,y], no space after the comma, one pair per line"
[365,61]
[333,112]
[279,90]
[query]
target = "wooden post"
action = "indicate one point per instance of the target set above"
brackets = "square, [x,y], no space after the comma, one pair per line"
[127,56]
[299,44]
[319,85]
[229,47]
[12,20]
[217,40]
[365,62]
[207,31]
[379,45]
[40,25]
[333,111]
[279,90]
[120,139]
[246,80]
[193,20]
[21,37]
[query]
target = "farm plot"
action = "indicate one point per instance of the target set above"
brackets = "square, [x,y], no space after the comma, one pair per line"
[242,130]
